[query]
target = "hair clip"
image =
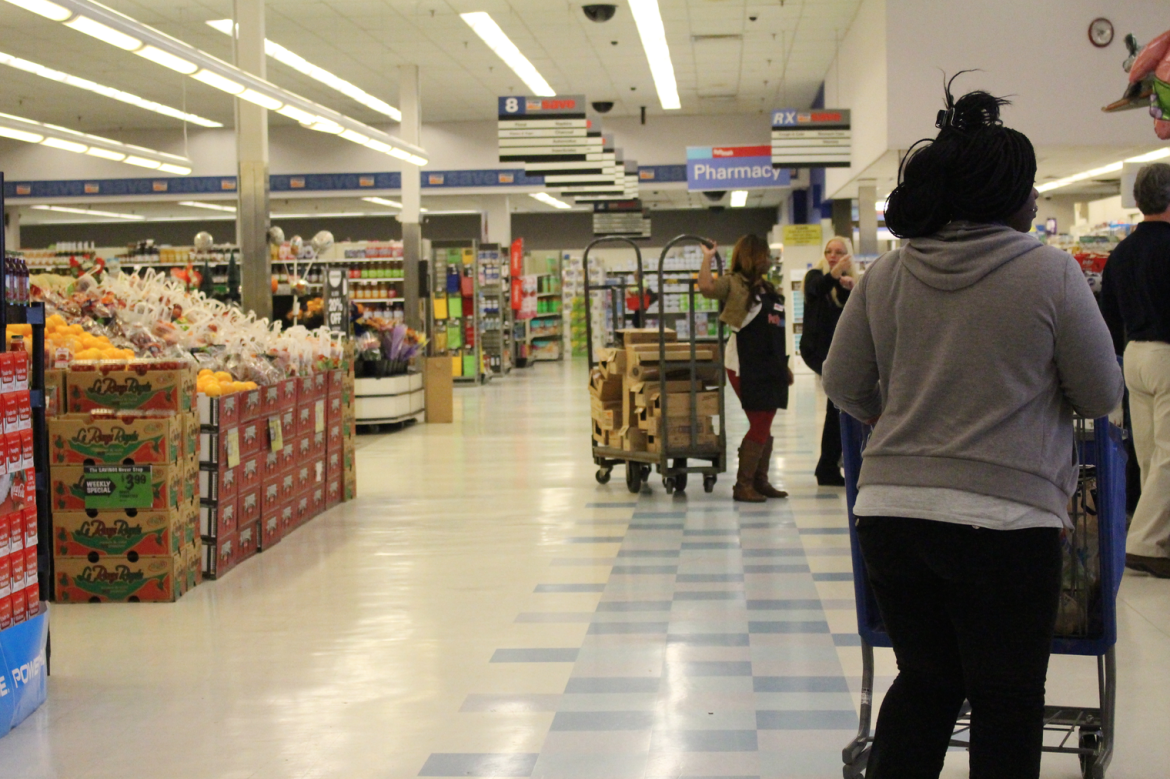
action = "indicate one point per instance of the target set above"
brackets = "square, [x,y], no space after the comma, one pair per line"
[945,118]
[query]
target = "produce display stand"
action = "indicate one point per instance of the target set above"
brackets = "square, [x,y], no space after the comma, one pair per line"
[674,457]
[25,647]
[1087,624]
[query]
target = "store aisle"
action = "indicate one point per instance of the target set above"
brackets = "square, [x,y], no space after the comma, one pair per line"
[486,609]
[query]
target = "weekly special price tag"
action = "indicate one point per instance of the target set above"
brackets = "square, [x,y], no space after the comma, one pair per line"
[118,486]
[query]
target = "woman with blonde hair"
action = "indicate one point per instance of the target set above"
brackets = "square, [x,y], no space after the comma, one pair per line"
[826,288]
[756,358]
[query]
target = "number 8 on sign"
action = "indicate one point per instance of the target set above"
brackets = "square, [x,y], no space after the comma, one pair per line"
[511,106]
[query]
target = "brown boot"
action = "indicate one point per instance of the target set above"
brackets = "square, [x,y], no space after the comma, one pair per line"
[760,483]
[749,462]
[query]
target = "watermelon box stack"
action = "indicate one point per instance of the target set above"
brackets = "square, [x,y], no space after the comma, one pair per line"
[124,423]
[19,585]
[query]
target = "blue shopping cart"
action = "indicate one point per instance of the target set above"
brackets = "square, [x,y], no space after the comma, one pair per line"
[1095,561]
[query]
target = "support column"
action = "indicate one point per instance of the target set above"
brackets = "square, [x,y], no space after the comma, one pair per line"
[497,221]
[411,132]
[252,217]
[11,228]
[843,218]
[867,217]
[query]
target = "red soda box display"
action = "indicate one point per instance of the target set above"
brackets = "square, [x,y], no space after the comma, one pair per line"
[32,598]
[333,489]
[253,437]
[333,408]
[219,520]
[30,564]
[301,508]
[19,607]
[14,451]
[15,524]
[20,370]
[304,474]
[287,485]
[319,381]
[288,393]
[305,419]
[288,455]
[270,464]
[6,612]
[5,575]
[317,500]
[26,448]
[5,530]
[336,381]
[270,529]
[23,410]
[248,538]
[16,569]
[318,448]
[10,405]
[218,483]
[7,371]
[270,498]
[287,516]
[305,447]
[29,520]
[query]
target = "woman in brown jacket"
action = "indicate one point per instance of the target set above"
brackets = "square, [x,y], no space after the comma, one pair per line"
[756,357]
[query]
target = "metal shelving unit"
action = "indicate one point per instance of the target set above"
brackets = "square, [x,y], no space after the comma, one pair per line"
[493,304]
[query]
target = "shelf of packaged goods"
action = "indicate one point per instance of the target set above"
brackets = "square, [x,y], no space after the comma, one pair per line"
[555,314]
[377,300]
[548,294]
[376,281]
[361,260]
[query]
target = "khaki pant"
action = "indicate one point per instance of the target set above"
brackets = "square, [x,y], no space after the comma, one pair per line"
[1147,374]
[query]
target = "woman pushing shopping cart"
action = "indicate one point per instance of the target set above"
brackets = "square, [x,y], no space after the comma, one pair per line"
[969,349]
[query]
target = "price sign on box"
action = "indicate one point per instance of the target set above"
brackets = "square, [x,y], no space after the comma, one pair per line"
[118,487]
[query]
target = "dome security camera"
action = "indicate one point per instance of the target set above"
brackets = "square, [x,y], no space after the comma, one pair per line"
[602,106]
[599,12]
[714,195]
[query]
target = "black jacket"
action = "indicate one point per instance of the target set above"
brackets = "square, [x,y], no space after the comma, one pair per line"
[820,317]
[1135,286]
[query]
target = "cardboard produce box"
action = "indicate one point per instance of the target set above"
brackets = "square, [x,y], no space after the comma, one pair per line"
[55,395]
[131,534]
[645,335]
[68,490]
[633,439]
[678,404]
[605,387]
[678,433]
[118,579]
[162,385]
[607,415]
[108,439]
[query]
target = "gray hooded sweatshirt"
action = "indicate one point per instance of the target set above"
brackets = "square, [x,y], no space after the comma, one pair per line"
[974,346]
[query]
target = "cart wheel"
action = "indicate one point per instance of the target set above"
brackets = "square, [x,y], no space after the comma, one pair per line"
[680,482]
[709,483]
[1090,739]
[603,475]
[633,478]
[668,483]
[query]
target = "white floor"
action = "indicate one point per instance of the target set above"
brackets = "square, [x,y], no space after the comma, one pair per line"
[485,608]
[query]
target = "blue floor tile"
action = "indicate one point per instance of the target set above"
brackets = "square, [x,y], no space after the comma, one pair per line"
[806,720]
[795,551]
[594,539]
[775,568]
[634,605]
[604,720]
[709,577]
[697,546]
[610,505]
[617,628]
[535,655]
[835,576]
[800,684]
[709,639]
[660,515]
[612,684]
[586,587]
[824,531]
[684,595]
[704,741]
[645,570]
[479,764]
[648,553]
[846,639]
[784,605]
[717,532]
[714,668]
[788,627]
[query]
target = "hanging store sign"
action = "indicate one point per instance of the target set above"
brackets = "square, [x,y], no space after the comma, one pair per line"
[621,217]
[733,167]
[542,129]
[337,300]
[820,138]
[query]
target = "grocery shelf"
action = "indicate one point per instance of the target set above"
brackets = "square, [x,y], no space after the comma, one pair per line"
[376,281]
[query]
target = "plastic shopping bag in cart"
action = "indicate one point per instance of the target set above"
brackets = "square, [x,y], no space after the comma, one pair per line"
[1079,613]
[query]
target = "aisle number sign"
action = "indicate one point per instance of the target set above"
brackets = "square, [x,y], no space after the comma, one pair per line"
[820,138]
[732,167]
[802,235]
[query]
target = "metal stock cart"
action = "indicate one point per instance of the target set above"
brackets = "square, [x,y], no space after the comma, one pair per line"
[675,459]
[1087,624]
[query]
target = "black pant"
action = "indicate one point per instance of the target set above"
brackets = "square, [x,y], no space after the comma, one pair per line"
[970,613]
[830,443]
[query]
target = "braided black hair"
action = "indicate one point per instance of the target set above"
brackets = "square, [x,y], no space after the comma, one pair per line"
[974,169]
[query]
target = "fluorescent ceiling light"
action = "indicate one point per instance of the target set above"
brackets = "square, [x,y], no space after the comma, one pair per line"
[104,33]
[126,33]
[1151,156]
[299,63]
[1088,174]
[486,28]
[44,8]
[104,91]
[739,198]
[219,82]
[383,202]
[350,135]
[208,206]
[30,131]
[264,101]
[89,212]
[549,200]
[64,145]
[653,34]
[302,116]
[167,60]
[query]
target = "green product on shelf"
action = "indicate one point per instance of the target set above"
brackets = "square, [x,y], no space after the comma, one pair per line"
[469,368]
[455,306]
[454,336]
